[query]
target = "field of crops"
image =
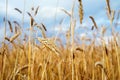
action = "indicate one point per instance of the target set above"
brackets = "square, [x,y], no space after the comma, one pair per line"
[32,57]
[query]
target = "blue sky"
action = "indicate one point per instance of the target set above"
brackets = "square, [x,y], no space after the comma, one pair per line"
[50,14]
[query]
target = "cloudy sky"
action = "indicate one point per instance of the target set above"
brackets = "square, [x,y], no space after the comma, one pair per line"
[50,14]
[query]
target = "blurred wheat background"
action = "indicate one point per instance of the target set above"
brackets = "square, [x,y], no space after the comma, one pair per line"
[64,42]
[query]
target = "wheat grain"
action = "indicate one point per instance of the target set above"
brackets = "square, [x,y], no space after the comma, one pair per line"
[79,49]
[36,11]
[17,25]
[32,21]
[21,69]
[42,29]
[108,6]
[32,8]
[10,25]
[81,14]
[7,38]
[66,12]
[43,26]
[29,14]
[99,64]
[15,22]
[50,45]
[106,50]
[18,10]
[14,37]
[95,25]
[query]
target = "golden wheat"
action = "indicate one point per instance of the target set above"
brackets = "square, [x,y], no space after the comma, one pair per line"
[54,59]
[108,6]
[10,25]
[95,25]
[81,14]
[50,45]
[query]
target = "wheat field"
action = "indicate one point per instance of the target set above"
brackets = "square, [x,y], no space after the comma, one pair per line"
[48,58]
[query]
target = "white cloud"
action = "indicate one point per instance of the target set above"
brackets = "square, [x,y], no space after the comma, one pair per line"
[50,12]
[61,28]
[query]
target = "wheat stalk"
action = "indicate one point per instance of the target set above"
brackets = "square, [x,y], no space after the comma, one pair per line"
[42,28]
[16,23]
[79,49]
[14,37]
[108,6]
[10,25]
[81,13]
[17,27]
[95,25]
[66,12]
[21,69]
[6,38]
[18,10]
[5,25]
[36,11]
[50,45]
[99,63]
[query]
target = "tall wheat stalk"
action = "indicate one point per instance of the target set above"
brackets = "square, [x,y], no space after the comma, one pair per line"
[30,51]
[75,62]
[4,56]
[111,16]
[30,57]
[72,28]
